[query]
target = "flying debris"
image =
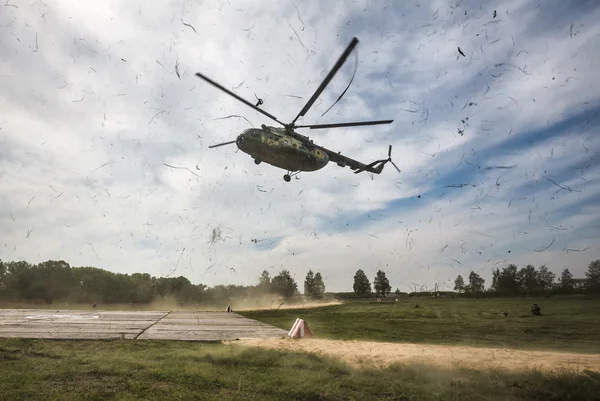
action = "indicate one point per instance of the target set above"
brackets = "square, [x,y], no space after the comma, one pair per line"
[189,26]
[286,149]
[259,101]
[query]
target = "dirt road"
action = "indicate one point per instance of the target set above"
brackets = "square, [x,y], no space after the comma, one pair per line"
[384,354]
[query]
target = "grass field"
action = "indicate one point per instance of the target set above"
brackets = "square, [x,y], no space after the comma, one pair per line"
[568,323]
[150,370]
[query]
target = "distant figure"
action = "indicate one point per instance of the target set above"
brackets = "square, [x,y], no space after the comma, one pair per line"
[536,310]
[228,308]
[94,305]
[505,313]
[417,306]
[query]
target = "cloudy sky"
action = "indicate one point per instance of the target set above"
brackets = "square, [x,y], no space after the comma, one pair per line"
[104,134]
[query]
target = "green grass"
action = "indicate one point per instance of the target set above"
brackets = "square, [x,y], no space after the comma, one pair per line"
[567,324]
[154,370]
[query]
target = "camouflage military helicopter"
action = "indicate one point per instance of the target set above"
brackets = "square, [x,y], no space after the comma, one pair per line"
[286,149]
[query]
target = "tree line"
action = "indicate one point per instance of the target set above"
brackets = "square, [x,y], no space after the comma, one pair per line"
[529,280]
[57,281]
[508,281]
[52,281]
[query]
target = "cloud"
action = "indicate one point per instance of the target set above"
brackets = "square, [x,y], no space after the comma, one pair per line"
[104,155]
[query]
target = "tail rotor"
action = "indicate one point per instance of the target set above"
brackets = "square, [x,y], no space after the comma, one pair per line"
[377,166]
[390,159]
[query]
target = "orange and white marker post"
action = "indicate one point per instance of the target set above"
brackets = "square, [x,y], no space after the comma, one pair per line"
[300,329]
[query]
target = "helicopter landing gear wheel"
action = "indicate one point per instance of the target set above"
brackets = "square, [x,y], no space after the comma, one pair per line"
[257,161]
[289,175]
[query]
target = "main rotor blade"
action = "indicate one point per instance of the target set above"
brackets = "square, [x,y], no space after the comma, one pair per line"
[221,144]
[328,78]
[247,103]
[355,124]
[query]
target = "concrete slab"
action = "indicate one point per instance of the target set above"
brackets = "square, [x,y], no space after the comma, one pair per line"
[151,325]
[209,326]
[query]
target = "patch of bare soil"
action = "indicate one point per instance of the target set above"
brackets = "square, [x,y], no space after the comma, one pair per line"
[367,353]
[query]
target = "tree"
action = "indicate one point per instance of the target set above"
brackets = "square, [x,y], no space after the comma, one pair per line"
[459,284]
[309,284]
[566,282]
[475,283]
[264,281]
[593,275]
[361,286]
[143,291]
[545,278]
[2,274]
[318,286]
[505,281]
[284,285]
[51,280]
[528,279]
[381,284]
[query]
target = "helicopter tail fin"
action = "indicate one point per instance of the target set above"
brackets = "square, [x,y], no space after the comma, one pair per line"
[380,167]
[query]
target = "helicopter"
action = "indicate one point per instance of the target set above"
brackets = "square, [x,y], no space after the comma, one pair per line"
[288,150]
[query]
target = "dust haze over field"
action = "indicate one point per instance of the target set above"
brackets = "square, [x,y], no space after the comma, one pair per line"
[104,135]
[264,302]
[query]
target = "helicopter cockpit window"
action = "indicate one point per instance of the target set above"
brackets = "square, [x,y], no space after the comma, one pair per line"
[255,133]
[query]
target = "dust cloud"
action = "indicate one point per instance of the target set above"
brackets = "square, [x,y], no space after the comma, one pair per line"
[297,305]
[368,353]
[255,302]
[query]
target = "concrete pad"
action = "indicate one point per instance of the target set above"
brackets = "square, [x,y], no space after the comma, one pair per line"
[209,326]
[149,325]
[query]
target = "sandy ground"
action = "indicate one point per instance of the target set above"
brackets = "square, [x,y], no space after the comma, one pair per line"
[368,353]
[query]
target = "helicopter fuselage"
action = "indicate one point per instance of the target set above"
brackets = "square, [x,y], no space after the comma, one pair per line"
[275,146]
